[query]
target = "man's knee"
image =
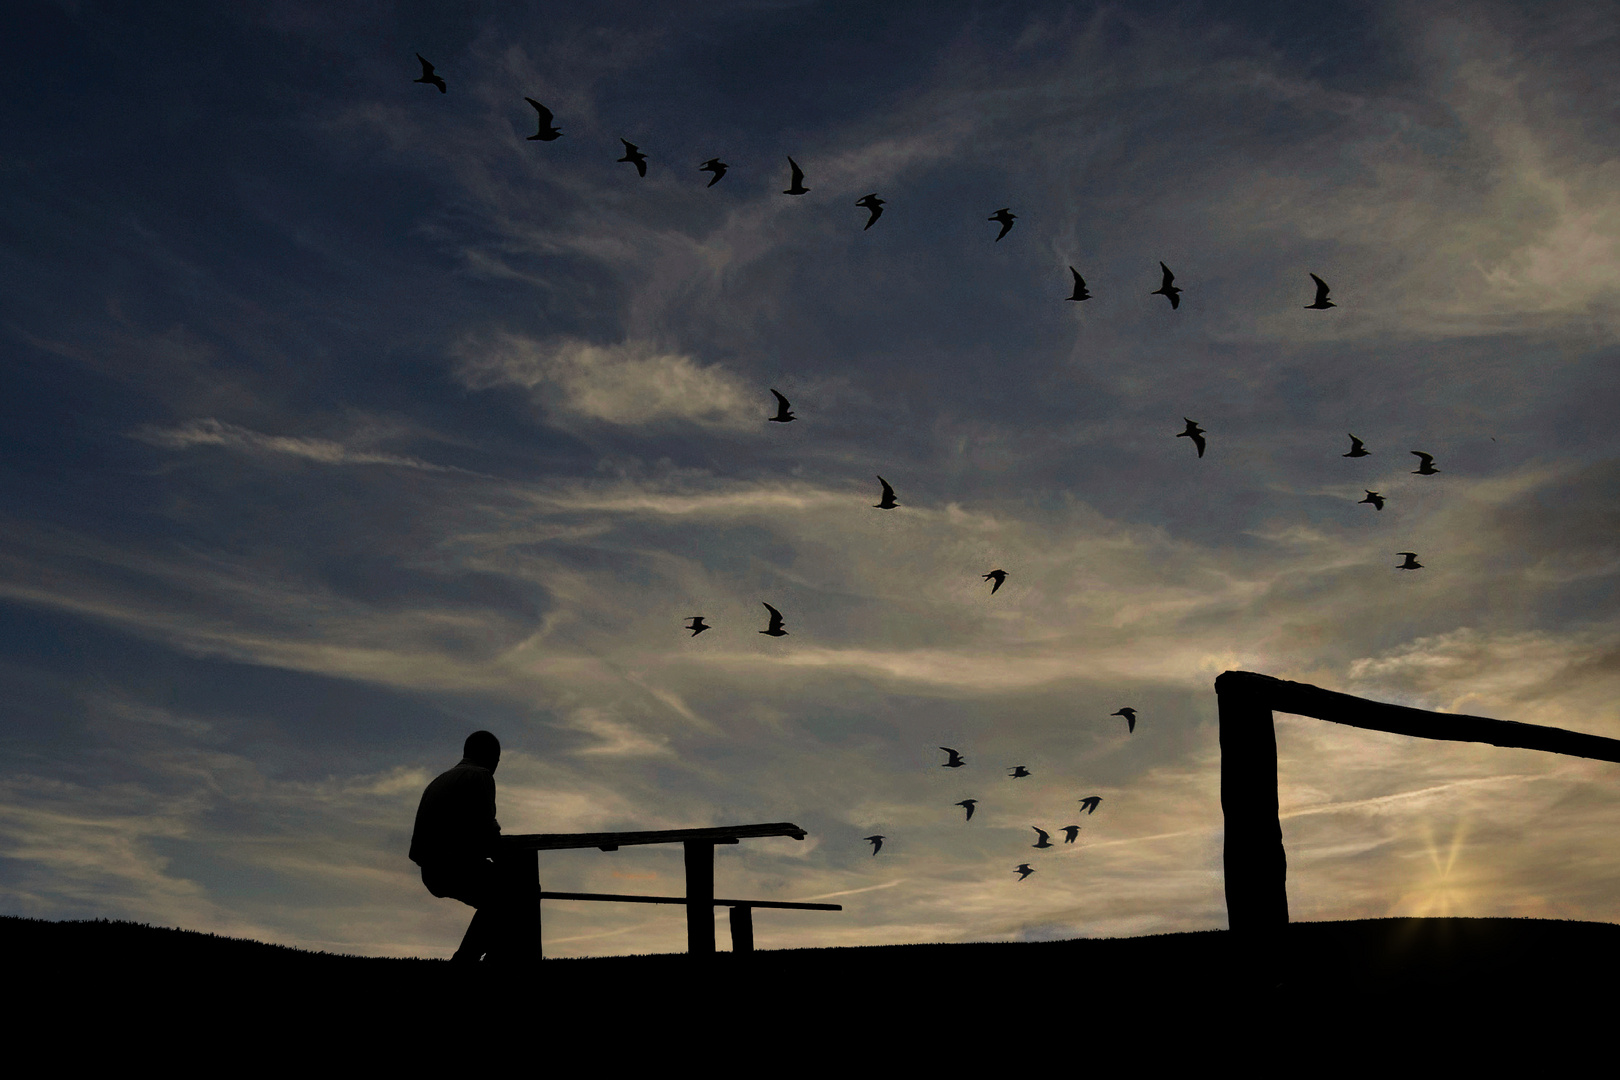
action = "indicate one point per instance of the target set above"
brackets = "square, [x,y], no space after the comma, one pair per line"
[472,883]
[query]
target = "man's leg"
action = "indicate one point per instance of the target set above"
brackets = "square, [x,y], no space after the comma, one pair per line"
[482,936]
[473,883]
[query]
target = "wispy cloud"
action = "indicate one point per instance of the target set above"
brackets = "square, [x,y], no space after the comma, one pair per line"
[210,432]
[630,384]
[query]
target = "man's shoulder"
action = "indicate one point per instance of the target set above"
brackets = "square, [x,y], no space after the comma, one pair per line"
[463,775]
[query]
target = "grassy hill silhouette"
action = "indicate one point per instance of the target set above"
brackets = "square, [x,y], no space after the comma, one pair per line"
[1452,959]
[1353,995]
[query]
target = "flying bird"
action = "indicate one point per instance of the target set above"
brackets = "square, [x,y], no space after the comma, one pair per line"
[1373,497]
[1425,465]
[1322,303]
[1005,216]
[1080,292]
[1130,718]
[997,576]
[1356,449]
[775,629]
[696,624]
[796,187]
[1072,832]
[1168,290]
[956,762]
[1044,841]
[875,205]
[783,416]
[1019,772]
[1411,562]
[876,842]
[634,156]
[887,502]
[1089,803]
[428,76]
[970,804]
[716,166]
[547,131]
[1023,870]
[1195,433]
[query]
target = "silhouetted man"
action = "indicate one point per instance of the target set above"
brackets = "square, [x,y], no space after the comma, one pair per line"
[455,838]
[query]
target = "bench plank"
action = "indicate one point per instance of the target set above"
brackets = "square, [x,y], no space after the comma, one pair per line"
[718,902]
[610,841]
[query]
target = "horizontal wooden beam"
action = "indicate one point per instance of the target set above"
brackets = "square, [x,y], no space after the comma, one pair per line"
[611,841]
[623,899]
[1302,699]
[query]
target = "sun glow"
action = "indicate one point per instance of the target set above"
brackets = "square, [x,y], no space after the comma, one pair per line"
[1446,891]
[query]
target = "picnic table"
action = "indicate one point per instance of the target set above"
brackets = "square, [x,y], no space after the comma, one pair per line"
[520,862]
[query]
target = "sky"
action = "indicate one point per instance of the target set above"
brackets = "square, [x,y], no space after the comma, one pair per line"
[342,419]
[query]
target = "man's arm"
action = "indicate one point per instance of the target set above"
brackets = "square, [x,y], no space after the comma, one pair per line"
[493,834]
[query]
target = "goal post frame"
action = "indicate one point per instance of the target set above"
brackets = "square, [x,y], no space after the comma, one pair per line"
[1255,864]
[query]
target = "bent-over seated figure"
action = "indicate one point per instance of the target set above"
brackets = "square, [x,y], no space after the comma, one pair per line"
[455,838]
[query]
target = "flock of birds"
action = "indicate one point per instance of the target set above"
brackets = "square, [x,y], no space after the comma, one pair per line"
[1004,217]
[1043,838]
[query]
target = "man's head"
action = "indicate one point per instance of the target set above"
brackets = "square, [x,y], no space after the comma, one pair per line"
[482,748]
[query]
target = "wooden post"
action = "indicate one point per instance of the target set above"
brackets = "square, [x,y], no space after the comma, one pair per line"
[699,897]
[1256,865]
[519,872]
[742,928]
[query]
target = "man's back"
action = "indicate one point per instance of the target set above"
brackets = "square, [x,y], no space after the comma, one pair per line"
[455,820]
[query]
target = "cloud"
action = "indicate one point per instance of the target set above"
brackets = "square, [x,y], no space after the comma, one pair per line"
[1469,202]
[614,737]
[631,385]
[211,432]
[1567,679]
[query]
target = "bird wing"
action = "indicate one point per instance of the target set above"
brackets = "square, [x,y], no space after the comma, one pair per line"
[545,113]
[1321,288]
[781,400]
[1198,441]
[1168,278]
[776,616]
[427,68]
[798,173]
[888,492]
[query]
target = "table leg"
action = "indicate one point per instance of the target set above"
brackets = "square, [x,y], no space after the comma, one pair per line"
[742,929]
[520,881]
[699,897]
